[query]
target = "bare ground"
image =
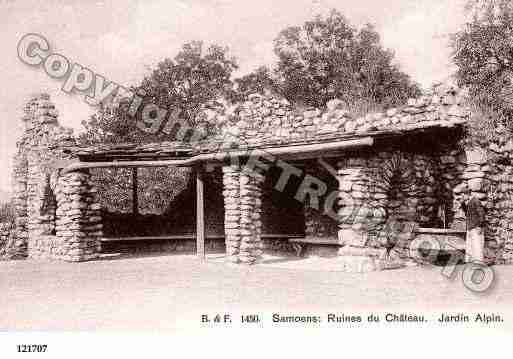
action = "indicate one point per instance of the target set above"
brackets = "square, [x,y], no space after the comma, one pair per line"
[173,291]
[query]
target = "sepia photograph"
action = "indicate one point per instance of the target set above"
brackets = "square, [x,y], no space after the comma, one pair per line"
[298,177]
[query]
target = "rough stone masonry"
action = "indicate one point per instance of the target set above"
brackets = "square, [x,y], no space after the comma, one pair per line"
[406,178]
[406,184]
[58,216]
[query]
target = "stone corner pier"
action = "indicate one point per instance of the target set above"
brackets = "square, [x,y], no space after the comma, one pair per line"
[58,216]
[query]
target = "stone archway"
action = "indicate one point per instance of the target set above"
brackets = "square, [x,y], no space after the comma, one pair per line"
[385,190]
[402,187]
[401,179]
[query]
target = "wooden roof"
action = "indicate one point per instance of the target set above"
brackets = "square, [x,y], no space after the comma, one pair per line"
[184,150]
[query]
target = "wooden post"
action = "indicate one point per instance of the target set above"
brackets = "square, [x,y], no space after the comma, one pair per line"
[135,195]
[200,213]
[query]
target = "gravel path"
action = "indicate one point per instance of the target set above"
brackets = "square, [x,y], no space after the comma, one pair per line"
[169,292]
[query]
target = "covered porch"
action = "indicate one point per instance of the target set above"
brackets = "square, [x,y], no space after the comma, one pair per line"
[243,172]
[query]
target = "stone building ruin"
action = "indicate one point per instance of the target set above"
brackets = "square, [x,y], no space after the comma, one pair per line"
[403,167]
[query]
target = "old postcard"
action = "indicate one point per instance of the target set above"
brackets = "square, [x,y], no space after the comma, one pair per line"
[293,177]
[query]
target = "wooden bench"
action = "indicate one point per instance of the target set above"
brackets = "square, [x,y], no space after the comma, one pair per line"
[174,239]
[193,236]
[157,238]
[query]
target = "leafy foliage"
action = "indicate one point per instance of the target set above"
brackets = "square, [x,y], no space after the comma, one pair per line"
[194,77]
[319,61]
[157,188]
[258,81]
[327,58]
[483,53]
[111,124]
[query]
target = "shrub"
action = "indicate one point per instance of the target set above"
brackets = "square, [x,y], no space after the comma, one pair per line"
[486,126]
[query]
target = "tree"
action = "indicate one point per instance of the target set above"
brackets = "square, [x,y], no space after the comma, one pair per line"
[194,77]
[191,80]
[327,58]
[258,81]
[483,54]
[110,124]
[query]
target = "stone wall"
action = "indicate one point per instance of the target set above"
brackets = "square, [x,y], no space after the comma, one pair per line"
[57,216]
[401,184]
[453,163]
[390,183]
[488,176]
[267,119]
[386,188]
[415,173]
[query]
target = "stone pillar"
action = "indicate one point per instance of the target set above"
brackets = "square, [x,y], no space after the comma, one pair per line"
[250,217]
[79,226]
[476,180]
[21,167]
[36,183]
[243,210]
[361,215]
[231,194]
[41,127]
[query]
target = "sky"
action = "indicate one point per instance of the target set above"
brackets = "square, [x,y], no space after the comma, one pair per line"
[123,40]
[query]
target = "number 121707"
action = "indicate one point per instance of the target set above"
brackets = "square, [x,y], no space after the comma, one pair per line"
[32,348]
